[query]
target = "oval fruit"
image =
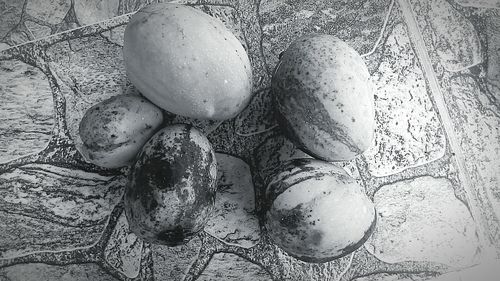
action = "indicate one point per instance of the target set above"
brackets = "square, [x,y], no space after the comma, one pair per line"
[324,97]
[317,212]
[171,189]
[187,62]
[113,131]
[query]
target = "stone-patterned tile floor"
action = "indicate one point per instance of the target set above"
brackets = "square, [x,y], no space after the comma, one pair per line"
[433,170]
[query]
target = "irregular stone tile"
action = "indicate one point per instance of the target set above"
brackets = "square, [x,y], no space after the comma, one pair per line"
[392,277]
[231,267]
[93,11]
[124,249]
[479,3]
[486,271]
[40,271]
[37,30]
[4,46]
[408,131]
[258,116]
[50,11]
[477,126]
[89,70]
[49,208]
[234,220]
[273,152]
[172,263]
[421,219]
[26,114]
[283,22]
[493,53]
[454,38]
[11,11]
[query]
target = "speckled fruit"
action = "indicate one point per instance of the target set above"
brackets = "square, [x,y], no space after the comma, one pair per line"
[324,96]
[113,131]
[317,212]
[187,62]
[171,189]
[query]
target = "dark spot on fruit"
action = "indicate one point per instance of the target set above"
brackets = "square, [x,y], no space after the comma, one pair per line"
[173,237]
[316,237]
[353,120]
[291,218]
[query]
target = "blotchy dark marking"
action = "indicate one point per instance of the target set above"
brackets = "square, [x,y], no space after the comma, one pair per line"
[291,219]
[274,190]
[175,237]
[289,87]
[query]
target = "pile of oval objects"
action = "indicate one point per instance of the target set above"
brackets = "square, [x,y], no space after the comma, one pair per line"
[185,62]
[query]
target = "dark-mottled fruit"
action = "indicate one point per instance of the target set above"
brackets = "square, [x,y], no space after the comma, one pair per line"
[113,131]
[324,97]
[171,189]
[316,211]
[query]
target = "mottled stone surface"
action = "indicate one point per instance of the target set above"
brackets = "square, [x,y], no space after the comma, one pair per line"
[50,11]
[11,15]
[479,3]
[39,271]
[44,207]
[124,250]
[92,11]
[393,277]
[408,131]
[284,22]
[26,118]
[454,38]
[231,267]
[234,220]
[258,116]
[172,263]
[421,219]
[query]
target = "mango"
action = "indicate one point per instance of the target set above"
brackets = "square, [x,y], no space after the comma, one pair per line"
[114,130]
[316,212]
[325,99]
[171,189]
[187,62]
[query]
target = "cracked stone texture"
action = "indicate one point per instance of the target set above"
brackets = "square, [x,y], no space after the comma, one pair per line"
[50,11]
[231,267]
[454,38]
[55,214]
[493,67]
[92,11]
[283,22]
[26,118]
[37,30]
[234,220]
[39,271]
[421,219]
[172,263]
[124,250]
[44,207]
[408,132]
[479,3]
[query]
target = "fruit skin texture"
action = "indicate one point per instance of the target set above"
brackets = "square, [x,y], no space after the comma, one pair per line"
[187,62]
[324,97]
[317,212]
[171,188]
[114,130]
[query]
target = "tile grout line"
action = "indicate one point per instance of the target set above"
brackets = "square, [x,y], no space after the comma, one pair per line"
[421,51]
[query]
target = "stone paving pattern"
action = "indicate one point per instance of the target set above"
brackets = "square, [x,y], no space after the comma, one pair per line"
[433,170]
